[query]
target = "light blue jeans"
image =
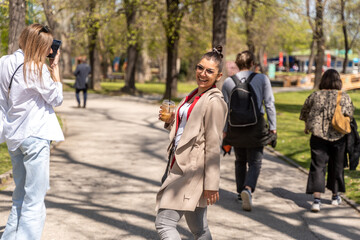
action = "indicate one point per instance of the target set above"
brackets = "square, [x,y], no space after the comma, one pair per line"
[31,176]
[167,219]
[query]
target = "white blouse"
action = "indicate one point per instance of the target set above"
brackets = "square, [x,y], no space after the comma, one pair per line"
[183,111]
[28,109]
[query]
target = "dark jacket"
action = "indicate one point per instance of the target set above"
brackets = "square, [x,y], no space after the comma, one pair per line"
[82,71]
[352,147]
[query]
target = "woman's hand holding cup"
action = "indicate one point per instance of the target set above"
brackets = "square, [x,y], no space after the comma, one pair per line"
[166,113]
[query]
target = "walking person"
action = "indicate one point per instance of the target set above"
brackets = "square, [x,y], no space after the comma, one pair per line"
[82,72]
[193,172]
[248,140]
[29,91]
[327,144]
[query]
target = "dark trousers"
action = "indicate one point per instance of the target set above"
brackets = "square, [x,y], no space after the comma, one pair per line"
[247,167]
[77,93]
[328,153]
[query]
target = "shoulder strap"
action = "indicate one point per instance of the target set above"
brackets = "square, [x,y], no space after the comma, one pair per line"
[338,98]
[235,79]
[252,75]
[248,80]
[14,75]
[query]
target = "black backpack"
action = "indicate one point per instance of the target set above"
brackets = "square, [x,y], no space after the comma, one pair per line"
[246,113]
[246,124]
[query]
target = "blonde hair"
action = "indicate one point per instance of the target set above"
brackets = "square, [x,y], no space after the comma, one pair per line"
[35,41]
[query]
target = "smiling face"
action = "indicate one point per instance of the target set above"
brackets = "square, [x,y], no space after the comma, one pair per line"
[207,73]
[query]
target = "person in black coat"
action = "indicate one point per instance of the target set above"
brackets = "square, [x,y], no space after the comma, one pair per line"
[82,72]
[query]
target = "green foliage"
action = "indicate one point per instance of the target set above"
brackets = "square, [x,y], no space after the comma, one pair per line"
[4,27]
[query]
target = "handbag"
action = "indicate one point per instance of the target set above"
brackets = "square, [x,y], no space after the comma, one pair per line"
[340,122]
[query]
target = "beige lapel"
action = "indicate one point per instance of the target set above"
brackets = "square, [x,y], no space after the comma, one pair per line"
[192,127]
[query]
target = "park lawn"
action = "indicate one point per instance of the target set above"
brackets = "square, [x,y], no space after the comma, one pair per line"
[293,143]
[5,163]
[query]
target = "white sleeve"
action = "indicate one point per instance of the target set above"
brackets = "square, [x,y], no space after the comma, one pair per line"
[50,91]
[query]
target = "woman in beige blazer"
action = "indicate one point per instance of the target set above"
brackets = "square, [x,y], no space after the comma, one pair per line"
[193,175]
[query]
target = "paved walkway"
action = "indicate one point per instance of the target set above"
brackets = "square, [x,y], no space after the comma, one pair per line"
[104,178]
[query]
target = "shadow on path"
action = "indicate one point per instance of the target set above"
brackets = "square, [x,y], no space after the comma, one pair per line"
[275,219]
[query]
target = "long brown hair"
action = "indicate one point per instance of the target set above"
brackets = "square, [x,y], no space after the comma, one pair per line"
[35,41]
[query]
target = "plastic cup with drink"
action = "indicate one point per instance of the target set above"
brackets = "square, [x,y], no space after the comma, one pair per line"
[167,108]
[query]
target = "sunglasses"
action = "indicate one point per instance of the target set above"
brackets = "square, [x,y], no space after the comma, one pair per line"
[208,71]
[44,29]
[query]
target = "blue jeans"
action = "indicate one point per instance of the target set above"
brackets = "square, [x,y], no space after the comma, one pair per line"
[167,219]
[247,167]
[31,176]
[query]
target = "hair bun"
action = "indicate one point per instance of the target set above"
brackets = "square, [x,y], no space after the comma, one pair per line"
[218,49]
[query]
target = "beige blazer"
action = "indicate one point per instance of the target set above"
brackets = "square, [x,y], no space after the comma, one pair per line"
[197,166]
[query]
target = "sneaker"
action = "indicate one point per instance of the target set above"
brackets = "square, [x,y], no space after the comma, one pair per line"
[336,201]
[239,198]
[246,200]
[315,207]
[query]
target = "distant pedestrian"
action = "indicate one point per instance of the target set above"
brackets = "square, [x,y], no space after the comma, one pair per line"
[29,91]
[248,139]
[327,145]
[82,72]
[192,182]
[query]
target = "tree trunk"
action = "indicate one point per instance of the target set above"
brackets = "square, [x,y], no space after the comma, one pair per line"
[312,55]
[64,29]
[320,42]
[132,55]
[261,59]
[249,17]
[172,28]
[220,9]
[346,41]
[93,29]
[171,73]
[133,45]
[60,30]
[143,71]
[17,11]
[313,41]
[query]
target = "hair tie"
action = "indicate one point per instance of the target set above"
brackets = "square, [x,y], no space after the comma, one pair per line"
[217,51]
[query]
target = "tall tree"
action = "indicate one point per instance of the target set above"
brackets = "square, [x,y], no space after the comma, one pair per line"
[172,26]
[250,10]
[92,32]
[58,16]
[313,41]
[131,12]
[220,10]
[320,41]
[175,10]
[349,21]
[17,12]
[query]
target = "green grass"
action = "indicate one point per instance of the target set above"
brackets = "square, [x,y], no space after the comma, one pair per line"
[293,143]
[5,163]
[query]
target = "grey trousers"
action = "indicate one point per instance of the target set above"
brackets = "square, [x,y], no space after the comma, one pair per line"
[167,219]
[247,167]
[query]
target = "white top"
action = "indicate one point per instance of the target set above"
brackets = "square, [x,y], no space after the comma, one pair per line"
[29,109]
[183,111]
